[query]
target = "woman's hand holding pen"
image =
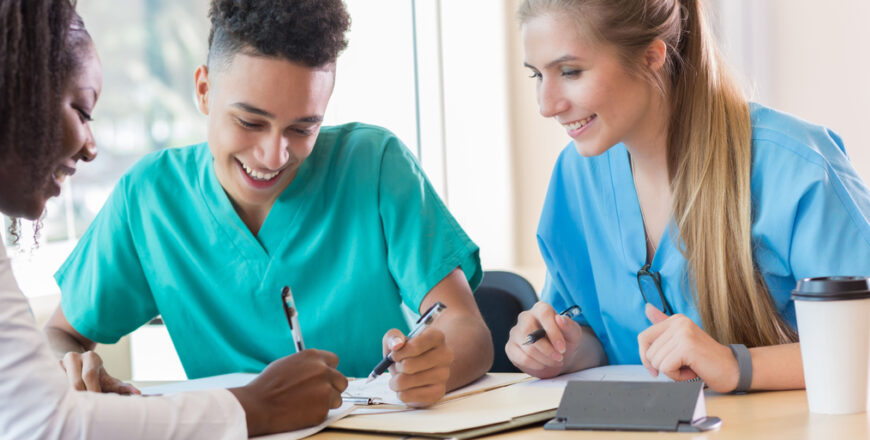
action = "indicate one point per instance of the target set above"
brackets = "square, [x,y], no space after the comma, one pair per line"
[421,368]
[549,356]
[292,392]
[678,348]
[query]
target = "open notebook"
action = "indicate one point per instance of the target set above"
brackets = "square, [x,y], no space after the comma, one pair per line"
[378,389]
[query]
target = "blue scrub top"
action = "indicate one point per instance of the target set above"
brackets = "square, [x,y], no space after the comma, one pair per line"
[359,231]
[810,213]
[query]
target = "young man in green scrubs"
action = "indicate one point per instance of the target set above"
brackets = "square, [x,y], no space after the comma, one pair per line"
[208,235]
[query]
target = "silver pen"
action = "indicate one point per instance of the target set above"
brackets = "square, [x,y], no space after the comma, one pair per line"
[422,324]
[360,400]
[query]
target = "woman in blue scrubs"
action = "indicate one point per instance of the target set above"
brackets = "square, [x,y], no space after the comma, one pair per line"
[680,216]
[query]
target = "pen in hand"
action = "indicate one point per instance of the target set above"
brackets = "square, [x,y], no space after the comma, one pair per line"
[540,333]
[422,324]
[292,318]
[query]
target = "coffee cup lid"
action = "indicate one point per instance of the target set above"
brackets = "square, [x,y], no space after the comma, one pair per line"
[831,289]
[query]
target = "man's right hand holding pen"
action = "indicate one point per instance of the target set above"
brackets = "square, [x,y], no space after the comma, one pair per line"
[421,361]
[567,346]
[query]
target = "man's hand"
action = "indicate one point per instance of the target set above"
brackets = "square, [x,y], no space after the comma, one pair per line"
[421,368]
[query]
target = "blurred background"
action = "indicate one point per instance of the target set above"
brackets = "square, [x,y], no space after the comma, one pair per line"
[446,76]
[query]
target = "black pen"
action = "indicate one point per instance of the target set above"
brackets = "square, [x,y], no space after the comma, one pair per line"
[536,335]
[422,324]
[292,318]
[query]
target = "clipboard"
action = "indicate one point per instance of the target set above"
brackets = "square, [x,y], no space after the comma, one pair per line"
[633,406]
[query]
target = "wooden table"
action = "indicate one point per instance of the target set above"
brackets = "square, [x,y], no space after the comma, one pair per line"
[765,415]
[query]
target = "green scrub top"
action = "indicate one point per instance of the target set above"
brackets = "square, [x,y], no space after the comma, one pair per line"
[358,231]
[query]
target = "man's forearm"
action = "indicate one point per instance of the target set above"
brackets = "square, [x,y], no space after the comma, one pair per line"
[472,350]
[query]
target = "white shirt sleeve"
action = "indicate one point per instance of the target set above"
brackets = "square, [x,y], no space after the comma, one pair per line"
[36,402]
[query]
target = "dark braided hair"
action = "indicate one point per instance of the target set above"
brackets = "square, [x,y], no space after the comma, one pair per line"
[307,32]
[40,46]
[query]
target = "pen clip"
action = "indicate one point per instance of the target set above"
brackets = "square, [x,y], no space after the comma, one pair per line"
[436,308]
[361,400]
[571,312]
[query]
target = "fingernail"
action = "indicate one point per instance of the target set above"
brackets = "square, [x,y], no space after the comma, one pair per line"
[557,357]
[560,346]
[395,341]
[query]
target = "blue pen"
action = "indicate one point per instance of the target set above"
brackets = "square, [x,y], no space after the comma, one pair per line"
[422,324]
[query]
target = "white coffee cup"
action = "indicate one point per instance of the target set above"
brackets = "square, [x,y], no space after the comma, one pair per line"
[833,319]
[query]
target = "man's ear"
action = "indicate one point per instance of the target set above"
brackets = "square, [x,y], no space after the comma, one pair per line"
[201,88]
[655,55]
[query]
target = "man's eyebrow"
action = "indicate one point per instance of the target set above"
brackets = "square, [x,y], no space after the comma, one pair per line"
[312,119]
[251,109]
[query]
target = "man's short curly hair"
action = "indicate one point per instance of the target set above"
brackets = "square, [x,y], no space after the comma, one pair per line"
[307,32]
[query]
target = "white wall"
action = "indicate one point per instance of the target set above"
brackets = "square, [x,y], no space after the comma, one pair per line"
[821,68]
[807,58]
[477,124]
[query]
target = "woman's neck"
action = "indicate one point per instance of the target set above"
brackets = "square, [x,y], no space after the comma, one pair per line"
[648,148]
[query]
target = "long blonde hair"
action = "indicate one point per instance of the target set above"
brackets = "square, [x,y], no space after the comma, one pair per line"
[709,155]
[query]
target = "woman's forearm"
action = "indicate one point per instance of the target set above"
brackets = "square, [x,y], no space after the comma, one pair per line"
[777,367]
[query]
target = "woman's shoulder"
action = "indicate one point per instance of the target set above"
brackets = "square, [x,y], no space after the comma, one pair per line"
[792,158]
[790,137]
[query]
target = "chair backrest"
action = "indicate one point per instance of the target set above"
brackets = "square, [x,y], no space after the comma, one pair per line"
[500,297]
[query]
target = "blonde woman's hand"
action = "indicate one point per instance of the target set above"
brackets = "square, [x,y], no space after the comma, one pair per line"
[421,366]
[549,356]
[85,372]
[678,348]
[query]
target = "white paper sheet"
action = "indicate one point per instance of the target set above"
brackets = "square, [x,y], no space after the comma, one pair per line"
[231,380]
[380,387]
[620,373]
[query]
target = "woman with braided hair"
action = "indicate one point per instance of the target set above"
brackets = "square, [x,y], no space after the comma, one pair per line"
[50,80]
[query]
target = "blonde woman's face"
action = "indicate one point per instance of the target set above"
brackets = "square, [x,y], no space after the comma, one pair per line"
[584,86]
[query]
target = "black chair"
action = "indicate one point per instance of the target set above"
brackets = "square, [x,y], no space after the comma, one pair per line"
[500,297]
